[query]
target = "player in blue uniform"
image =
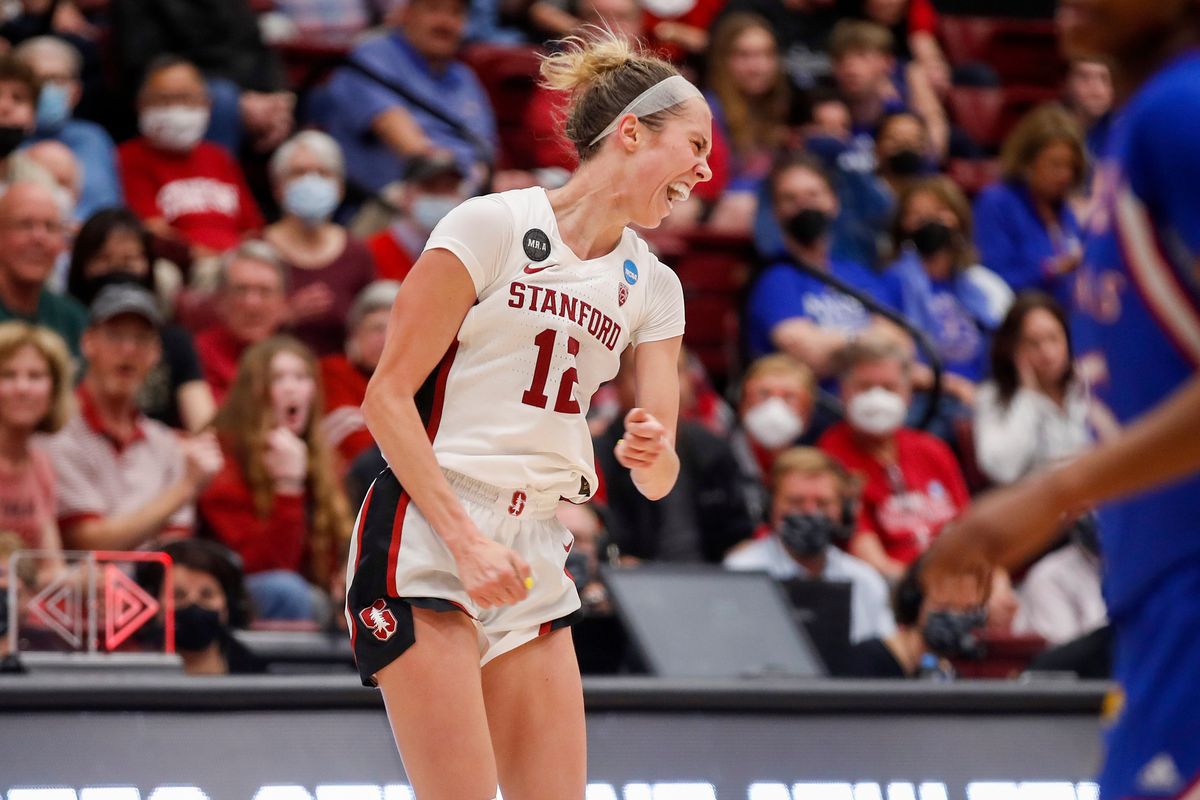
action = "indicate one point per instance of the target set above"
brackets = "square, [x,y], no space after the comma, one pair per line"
[1138,323]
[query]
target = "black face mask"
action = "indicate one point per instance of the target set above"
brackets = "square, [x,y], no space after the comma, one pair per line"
[11,137]
[807,226]
[931,237]
[952,633]
[808,534]
[905,163]
[196,627]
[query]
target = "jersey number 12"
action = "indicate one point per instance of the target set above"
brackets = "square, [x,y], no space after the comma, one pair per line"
[535,395]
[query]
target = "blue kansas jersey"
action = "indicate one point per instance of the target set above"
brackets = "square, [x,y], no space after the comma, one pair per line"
[1137,325]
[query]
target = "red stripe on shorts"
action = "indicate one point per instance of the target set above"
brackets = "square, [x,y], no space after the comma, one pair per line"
[542,631]
[394,547]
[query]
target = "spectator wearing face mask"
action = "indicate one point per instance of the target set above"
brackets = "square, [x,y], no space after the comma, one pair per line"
[775,409]
[946,293]
[811,498]
[926,636]
[793,312]
[864,198]
[57,67]
[183,188]
[210,599]
[912,485]
[326,266]
[431,187]
[345,375]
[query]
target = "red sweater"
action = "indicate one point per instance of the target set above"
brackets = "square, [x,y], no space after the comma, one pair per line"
[277,541]
[906,514]
[201,194]
[219,353]
[344,427]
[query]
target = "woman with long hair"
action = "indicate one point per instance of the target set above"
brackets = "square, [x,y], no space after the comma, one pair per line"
[1035,411]
[946,292]
[35,397]
[277,502]
[1025,228]
[751,101]
[519,308]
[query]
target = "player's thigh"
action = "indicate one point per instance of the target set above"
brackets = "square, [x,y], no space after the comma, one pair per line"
[434,702]
[534,699]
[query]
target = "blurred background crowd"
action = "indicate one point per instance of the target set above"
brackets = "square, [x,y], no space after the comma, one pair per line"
[209,205]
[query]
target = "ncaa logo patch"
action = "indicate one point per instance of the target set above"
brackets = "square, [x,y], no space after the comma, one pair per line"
[379,620]
[622,294]
[631,272]
[536,244]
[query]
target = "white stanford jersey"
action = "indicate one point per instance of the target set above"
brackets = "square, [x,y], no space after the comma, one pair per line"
[510,398]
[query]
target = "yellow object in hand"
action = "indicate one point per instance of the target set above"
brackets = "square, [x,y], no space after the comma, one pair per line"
[529,583]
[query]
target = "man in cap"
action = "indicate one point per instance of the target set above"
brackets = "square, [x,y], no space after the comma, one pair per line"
[432,186]
[123,478]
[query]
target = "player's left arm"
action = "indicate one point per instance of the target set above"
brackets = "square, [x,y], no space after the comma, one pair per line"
[647,448]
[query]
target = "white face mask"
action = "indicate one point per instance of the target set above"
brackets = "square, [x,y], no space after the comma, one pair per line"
[176,128]
[428,209]
[773,424]
[876,411]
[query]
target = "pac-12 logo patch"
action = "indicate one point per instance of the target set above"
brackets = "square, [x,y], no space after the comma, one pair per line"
[622,294]
[379,620]
[631,273]
[536,244]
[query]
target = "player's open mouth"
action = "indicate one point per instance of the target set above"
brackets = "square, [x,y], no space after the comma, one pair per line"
[677,192]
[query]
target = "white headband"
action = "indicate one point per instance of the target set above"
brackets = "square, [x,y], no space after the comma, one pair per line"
[666,93]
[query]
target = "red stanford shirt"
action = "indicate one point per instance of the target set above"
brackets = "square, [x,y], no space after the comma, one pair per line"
[201,194]
[907,509]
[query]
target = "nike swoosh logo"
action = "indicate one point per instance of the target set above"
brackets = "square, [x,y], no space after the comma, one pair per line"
[530,269]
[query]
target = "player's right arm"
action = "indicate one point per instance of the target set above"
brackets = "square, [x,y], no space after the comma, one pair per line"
[425,319]
[1009,526]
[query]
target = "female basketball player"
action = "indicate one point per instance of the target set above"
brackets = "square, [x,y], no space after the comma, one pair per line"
[1138,314]
[516,312]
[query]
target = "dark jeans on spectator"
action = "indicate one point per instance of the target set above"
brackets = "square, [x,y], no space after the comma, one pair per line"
[280,594]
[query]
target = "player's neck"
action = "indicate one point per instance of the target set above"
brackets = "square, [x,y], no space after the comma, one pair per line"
[1135,68]
[590,210]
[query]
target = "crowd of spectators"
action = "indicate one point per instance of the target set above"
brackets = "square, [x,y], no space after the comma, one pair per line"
[203,227]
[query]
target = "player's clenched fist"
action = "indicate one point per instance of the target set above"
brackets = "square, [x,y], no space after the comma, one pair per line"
[492,574]
[644,441]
